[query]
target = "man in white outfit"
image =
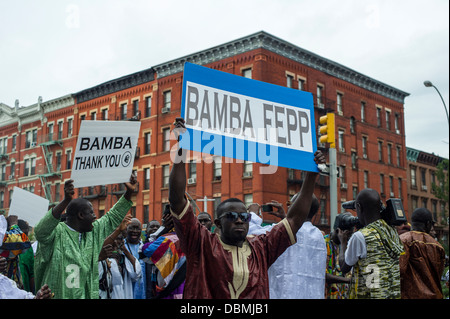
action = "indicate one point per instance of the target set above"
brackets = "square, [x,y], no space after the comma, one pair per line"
[299,273]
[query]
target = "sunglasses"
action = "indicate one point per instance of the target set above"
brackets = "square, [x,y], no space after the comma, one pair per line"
[233,216]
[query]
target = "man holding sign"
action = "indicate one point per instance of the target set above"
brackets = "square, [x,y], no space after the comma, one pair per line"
[231,265]
[67,253]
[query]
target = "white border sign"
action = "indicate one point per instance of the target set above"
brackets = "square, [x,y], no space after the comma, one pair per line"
[245,119]
[105,152]
[28,206]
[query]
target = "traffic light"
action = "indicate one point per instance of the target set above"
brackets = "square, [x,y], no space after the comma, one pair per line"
[327,129]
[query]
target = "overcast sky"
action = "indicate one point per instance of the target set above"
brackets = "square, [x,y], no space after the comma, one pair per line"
[53,48]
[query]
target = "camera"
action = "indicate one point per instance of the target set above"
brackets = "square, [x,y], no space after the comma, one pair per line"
[266,208]
[393,213]
[346,221]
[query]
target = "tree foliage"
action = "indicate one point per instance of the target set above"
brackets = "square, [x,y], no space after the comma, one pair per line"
[441,190]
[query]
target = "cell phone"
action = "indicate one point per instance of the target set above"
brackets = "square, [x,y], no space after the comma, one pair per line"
[266,208]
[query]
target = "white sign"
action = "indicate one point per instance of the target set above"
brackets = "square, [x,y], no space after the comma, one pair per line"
[28,206]
[105,152]
[245,119]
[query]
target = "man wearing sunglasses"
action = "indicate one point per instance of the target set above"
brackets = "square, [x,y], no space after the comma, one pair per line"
[231,265]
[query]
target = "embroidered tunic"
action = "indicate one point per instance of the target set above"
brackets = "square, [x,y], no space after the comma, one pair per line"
[66,260]
[220,271]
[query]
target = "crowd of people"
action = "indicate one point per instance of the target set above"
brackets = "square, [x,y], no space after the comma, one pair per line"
[231,255]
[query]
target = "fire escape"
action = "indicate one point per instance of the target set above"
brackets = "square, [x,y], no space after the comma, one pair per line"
[48,171]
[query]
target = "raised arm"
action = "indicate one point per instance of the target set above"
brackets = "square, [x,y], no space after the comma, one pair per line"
[299,209]
[177,178]
[69,191]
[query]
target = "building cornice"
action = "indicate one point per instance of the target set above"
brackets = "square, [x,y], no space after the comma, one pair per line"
[263,40]
[122,83]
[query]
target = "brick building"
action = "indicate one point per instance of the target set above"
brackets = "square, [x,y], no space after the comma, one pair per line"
[422,167]
[370,132]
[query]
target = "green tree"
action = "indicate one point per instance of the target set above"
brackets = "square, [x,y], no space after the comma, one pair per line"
[441,190]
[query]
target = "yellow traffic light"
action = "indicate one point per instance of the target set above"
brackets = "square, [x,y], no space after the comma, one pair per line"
[327,130]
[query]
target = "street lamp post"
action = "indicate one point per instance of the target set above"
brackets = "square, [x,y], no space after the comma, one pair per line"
[429,84]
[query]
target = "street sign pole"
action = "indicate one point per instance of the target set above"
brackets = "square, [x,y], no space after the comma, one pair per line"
[333,186]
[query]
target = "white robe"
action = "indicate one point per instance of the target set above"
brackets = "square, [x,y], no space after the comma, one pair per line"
[122,287]
[299,273]
[9,290]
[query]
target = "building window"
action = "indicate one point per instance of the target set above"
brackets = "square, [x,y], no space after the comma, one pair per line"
[400,189]
[414,202]
[3,173]
[192,169]
[33,166]
[354,160]
[148,106]
[339,104]
[69,127]
[291,173]
[380,151]
[413,177]
[60,130]
[165,175]
[378,117]
[166,139]
[423,173]
[388,120]
[2,199]
[248,168]
[3,146]
[389,153]
[396,123]
[135,107]
[352,124]
[58,162]
[247,73]
[434,209]
[167,97]
[93,116]
[69,159]
[26,167]
[147,178]
[289,80]
[105,114]
[355,191]
[146,214]
[123,111]
[14,143]
[13,170]
[391,186]
[50,132]
[342,174]
[398,156]
[217,168]
[248,199]
[363,111]
[341,140]
[382,184]
[364,146]
[147,141]
[319,96]
[366,179]
[301,84]
[323,215]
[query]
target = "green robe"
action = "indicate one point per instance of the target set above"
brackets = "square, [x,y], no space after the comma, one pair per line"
[66,260]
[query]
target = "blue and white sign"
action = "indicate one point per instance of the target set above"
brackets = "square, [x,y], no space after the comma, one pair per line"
[245,119]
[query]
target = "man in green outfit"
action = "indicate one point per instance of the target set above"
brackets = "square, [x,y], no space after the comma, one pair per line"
[67,253]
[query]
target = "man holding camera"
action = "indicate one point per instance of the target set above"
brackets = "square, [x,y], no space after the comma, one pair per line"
[373,252]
